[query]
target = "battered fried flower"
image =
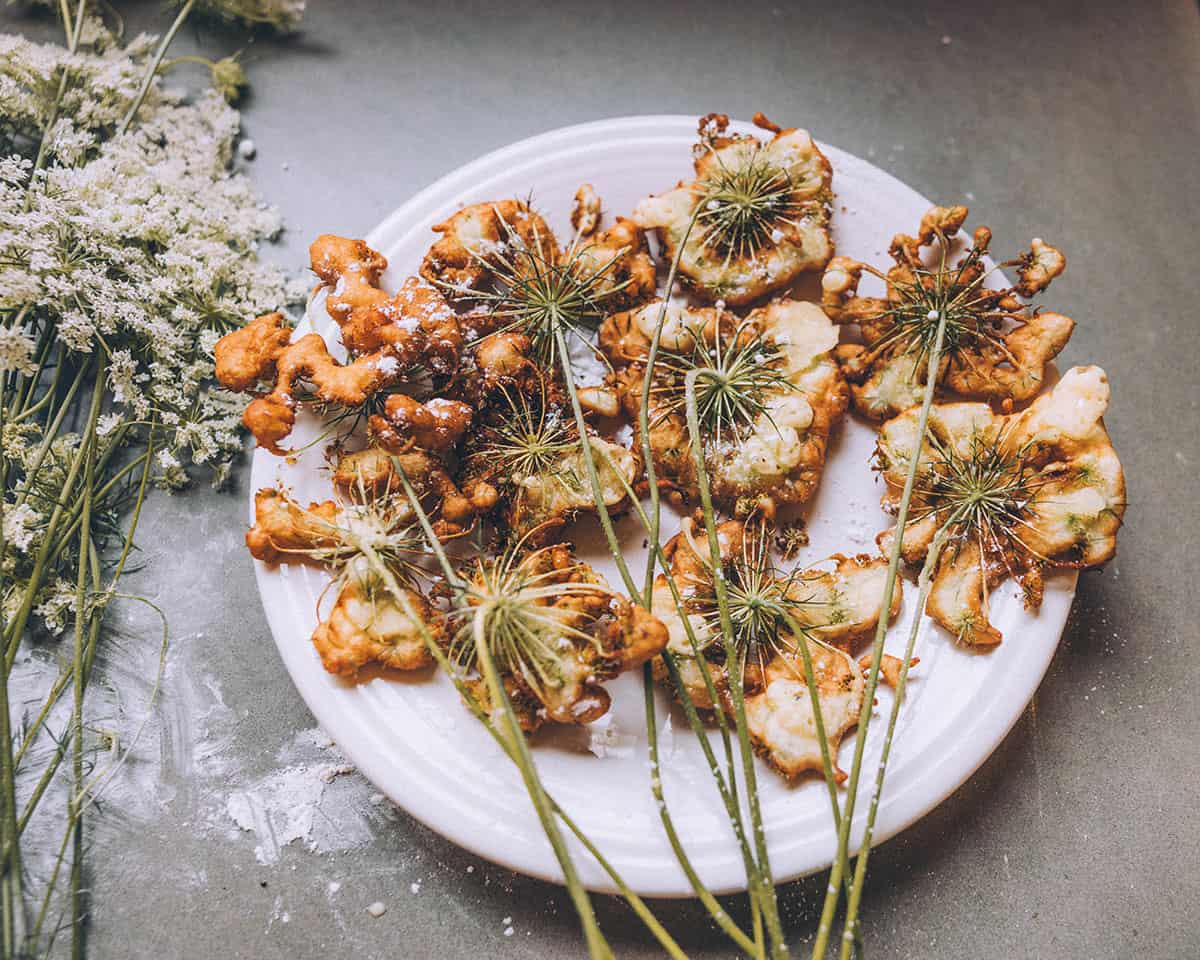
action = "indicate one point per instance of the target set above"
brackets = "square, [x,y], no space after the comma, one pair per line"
[556,630]
[995,346]
[387,338]
[1006,496]
[529,288]
[620,260]
[412,327]
[478,237]
[768,393]
[527,457]
[761,213]
[831,607]
[371,474]
[367,622]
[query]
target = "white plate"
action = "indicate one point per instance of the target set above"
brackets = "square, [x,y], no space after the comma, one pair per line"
[414,739]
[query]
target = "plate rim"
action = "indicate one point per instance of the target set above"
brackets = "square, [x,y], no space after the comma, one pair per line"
[901,810]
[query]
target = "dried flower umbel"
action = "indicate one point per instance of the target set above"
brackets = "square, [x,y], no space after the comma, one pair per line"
[755,218]
[995,346]
[778,621]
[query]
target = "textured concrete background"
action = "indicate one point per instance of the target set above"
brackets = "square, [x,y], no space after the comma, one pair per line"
[1080,123]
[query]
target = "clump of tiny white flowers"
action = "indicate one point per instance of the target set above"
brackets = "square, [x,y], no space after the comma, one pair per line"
[128,253]
[128,246]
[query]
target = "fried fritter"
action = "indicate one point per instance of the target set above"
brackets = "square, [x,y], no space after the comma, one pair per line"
[367,624]
[556,630]
[387,338]
[1011,495]
[836,604]
[769,384]
[996,347]
[464,258]
[527,457]
[761,213]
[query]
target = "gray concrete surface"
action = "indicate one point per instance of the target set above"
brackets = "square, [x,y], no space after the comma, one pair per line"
[1079,122]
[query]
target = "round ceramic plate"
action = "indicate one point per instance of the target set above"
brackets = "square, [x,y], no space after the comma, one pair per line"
[413,738]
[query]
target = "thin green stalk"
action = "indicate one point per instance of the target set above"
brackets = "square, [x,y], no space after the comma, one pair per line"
[16,629]
[73,34]
[838,870]
[727,790]
[597,946]
[610,533]
[76,814]
[644,411]
[715,910]
[864,850]
[148,79]
[767,888]
[635,902]
[810,680]
[61,748]
[12,900]
[51,432]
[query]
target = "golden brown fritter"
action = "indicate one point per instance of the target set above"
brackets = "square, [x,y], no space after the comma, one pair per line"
[367,624]
[779,358]
[836,604]
[464,257]
[556,630]
[413,327]
[373,473]
[761,213]
[620,257]
[286,532]
[1013,495]
[996,347]
[386,336]
[527,458]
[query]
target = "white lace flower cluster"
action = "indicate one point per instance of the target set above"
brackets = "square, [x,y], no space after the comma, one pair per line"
[140,248]
[142,245]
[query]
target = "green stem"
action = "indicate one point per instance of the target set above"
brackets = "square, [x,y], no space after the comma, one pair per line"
[644,410]
[597,946]
[635,902]
[51,433]
[589,460]
[12,900]
[733,676]
[715,910]
[63,742]
[825,925]
[864,849]
[148,79]
[17,628]
[76,814]
[810,680]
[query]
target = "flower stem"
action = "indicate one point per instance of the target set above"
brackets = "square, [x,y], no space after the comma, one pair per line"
[644,409]
[715,910]
[610,533]
[148,79]
[838,870]
[598,947]
[81,616]
[766,886]
[864,850]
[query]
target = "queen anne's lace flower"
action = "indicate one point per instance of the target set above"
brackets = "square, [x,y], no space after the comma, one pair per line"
[135,248]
